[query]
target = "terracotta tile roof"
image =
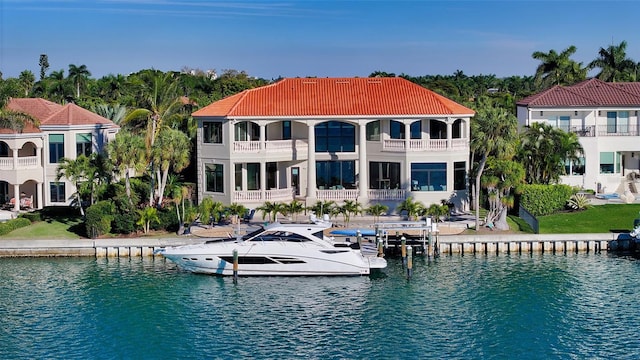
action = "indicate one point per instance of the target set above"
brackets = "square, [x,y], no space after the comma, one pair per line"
[589,93]
[335,97]
[50,113]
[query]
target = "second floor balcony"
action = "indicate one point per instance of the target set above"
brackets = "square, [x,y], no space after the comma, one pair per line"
[20,163]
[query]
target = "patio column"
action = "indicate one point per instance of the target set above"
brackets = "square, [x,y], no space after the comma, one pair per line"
[39,155]
[16,197]
[263,180]
[15,158]
[363,177]
[311,161]
[407,136]
[449,134]
[263,144]
[39,192]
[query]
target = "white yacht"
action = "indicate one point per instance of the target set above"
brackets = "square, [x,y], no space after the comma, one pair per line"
[279,249]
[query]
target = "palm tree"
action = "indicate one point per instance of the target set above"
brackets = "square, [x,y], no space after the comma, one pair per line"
[413,208]
[614,64]
[78,75]
[76,171]
[147,215]
[57,87]
[267,209]
[320,208]
[294,208]
[171,152]
[127,153]
[494,131]
[558,69]
[15,120]
[115,113]
[377,210]
[350,208]
[543,151]
[26,80]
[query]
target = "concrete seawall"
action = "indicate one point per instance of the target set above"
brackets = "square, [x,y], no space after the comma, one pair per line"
[447,244]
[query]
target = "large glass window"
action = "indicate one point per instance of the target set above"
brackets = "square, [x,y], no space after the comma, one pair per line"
[428,176]
[396,130]
[384,175]
[238,177]
[459,175]
[373,131]
[416,130]
[575,167]
[57,191]
[214,177]
[335,175]
[272,173]
[610,162]
[56,148]
[83,144]
[212,132]
[253,176]
[335,136]
[4,149]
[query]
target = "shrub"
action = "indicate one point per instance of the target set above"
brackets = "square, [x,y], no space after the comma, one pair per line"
[32,216]
[8,226]
[98,218]
[542,200]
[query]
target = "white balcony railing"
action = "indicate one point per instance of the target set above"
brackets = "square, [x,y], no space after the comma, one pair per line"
[271,146]
[424,145]
[337,195]
[25,162]
[269,195]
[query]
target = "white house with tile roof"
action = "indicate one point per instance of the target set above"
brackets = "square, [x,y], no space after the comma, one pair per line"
[29,159]
[365,139]
[605,118]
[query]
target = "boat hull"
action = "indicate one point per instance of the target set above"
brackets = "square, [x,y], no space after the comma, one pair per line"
[272,259]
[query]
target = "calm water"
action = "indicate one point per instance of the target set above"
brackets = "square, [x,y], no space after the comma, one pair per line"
[506,307]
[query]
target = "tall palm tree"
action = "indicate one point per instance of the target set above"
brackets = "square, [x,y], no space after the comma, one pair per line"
[494,131]
[171,151]
[614,64]
[127,152]
[26,79]
[558,68]
[78,75]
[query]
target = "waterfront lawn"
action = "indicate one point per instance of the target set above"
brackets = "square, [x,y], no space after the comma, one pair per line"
[52,228]
[597,219]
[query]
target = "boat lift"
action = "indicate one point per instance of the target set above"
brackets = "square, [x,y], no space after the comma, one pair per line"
[423,233]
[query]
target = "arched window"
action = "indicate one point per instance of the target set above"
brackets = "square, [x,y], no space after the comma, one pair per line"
[457,129]
[437,129]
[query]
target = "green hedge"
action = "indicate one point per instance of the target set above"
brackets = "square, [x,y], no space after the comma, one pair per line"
[542,200]
[98,218]
[8,226]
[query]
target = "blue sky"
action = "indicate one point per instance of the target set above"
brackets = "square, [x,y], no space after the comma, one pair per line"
[292,38]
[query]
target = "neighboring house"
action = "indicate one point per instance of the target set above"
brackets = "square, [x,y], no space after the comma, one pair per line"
[605,118]
[29,159]
[365,139]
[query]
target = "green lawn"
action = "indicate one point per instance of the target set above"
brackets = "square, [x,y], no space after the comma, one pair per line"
[597,219]
[58,228]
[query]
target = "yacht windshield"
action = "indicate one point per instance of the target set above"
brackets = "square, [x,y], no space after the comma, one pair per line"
[280,235]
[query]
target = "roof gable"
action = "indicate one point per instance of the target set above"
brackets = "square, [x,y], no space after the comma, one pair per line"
[335,97]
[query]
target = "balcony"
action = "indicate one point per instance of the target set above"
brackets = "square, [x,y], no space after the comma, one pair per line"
[25,162]
[618,130]
[269,195]
[271,146]
[337,195]
[400,145]
[387,194]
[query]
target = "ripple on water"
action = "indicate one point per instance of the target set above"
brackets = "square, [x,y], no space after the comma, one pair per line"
[471,307]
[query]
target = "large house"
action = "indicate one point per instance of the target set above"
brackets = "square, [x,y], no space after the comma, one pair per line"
[365,139]
[605,118]
[29,159]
